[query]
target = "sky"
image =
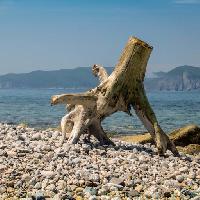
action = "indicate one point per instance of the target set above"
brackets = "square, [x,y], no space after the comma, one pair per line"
[58,34]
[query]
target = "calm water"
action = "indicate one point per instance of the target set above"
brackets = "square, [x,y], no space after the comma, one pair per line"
[173,109]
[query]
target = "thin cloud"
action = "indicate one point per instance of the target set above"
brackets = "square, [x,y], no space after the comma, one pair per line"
[187,1]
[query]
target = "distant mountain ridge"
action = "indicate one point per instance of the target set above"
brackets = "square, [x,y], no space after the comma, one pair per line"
[63,78]
[179,79]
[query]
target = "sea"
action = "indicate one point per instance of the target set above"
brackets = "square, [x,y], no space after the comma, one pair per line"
[173,109]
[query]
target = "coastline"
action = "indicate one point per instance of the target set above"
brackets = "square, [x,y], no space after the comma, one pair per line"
[33,165]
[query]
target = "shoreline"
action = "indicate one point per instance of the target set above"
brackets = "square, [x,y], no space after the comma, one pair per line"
[33,165]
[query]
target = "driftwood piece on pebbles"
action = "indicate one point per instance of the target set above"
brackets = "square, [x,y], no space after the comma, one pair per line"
[186,138]
[120,91]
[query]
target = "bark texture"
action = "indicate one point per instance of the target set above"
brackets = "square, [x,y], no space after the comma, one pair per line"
[120,91]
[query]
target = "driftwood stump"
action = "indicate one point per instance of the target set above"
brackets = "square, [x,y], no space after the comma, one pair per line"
[120,91]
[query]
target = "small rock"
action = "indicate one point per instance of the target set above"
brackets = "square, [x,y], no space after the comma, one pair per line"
[39,196]
[139,188]
[165,164]
[55,134]
[11,153]
[142,159]
[86,147]
[150,192]
[67,196]
[104,197]
[131,156]
[10,189]
[79,198]
[47,174]
[57,196]
[171,183]
[133,193]
[115,188]
[26,177]
[32,182]
[180,178]
[192,175]
[183,169]
[2,167]
[47,148]
[51,187]
[81,182]
[45,183]
[90,190]
[94,177]
[36,136]
[79,189]
[76,160]
[38,185]
[61,184]
[102,191]
[72,187]
[117,181]
[22,137]
[2,189]
[93,197]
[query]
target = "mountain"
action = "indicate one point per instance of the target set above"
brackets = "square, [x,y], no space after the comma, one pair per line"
[178,79]
[64,78]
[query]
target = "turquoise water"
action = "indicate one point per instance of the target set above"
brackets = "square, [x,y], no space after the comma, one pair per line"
[173,109]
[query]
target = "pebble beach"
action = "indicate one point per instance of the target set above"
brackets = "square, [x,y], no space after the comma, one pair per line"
[34,166]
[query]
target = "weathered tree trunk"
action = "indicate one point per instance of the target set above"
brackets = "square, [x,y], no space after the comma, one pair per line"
[120,91]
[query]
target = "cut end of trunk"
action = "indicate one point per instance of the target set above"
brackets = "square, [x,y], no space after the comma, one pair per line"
[140,42]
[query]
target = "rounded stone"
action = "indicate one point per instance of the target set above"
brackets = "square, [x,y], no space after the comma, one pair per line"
[2,189]
[180,178]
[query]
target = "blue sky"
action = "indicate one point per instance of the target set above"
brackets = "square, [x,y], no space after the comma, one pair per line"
[55,34]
